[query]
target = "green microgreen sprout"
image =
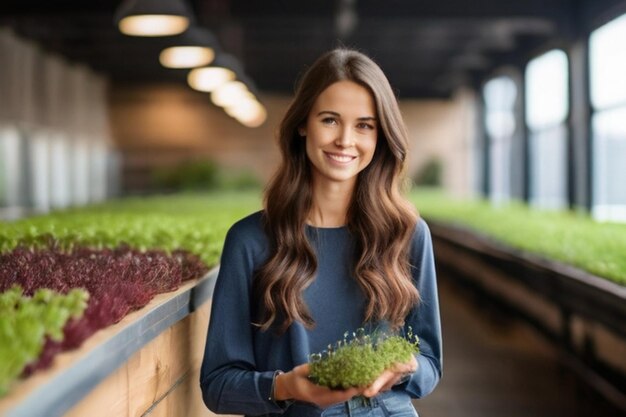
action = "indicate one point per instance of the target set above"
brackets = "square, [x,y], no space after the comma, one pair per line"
[358,360]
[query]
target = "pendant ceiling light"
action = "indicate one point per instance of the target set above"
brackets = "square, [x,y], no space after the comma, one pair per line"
[248,112]
[231,94]
[153,17]
[245,106]
[230,89]
[207,79]
[193,48]
[223,69]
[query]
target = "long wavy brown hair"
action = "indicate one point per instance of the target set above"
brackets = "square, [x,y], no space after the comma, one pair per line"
[379,218]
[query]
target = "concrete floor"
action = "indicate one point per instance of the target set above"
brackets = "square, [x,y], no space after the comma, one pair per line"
[494,366]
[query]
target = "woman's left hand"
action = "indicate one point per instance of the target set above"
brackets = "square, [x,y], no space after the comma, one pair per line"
[390,377]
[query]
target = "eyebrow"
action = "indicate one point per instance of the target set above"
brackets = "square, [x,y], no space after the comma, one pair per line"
[333,113]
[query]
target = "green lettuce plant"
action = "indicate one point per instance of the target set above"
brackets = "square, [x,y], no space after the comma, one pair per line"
[25,322]
[358,361]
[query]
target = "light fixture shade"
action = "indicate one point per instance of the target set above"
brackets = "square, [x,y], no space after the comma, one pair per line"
[153,17]
[248,112]
[207,79]
[193,48]
[244,78]
[229,62]
[186,56]
[230,94]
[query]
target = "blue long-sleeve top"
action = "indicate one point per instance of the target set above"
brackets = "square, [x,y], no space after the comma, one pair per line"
[240,359]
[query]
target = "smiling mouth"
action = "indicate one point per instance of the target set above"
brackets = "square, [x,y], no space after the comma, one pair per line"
[340,158]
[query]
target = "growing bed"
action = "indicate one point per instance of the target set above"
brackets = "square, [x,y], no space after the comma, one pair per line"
[559,271]
[123,256]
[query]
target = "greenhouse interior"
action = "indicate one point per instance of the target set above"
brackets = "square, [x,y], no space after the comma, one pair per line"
[128,150]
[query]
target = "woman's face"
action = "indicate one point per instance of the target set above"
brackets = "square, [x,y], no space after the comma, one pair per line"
[341,132]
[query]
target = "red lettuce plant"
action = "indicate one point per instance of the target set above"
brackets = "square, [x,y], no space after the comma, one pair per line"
[118,281]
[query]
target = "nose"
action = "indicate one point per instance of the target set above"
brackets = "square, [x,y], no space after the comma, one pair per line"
[345,138]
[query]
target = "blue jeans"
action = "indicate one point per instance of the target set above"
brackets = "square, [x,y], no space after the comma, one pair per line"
[386,404]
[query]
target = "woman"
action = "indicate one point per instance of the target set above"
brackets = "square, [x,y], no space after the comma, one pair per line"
[336,248]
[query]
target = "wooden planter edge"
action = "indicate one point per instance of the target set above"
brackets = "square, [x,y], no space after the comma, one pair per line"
[59,392]
[573,289]
[565,295]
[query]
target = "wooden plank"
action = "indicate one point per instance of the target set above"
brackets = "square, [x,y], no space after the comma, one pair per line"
[182,401]
[108,399]
[193,397]
[160,378]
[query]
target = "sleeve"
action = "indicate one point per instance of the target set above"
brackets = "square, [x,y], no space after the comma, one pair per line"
[229,380]
[424,319]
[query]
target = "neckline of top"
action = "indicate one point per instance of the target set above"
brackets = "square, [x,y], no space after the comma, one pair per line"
[311,227]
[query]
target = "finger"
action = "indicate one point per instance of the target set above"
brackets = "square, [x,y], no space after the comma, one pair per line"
[389,385]
[302,370]
[380,382]
[403,368]
[385,388]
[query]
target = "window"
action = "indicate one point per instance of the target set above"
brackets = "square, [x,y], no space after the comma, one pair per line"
[40,171]
[50,111]
[98,174]
[500,96]
[609,167]
[80,172]
[60,196]
[547,108]
[10,173]
[3,173]
[608,99]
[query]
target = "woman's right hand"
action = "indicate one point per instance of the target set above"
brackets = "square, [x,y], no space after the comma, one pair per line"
[296,385]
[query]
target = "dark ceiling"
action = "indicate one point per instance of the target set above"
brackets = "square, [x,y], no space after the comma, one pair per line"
[427,47]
